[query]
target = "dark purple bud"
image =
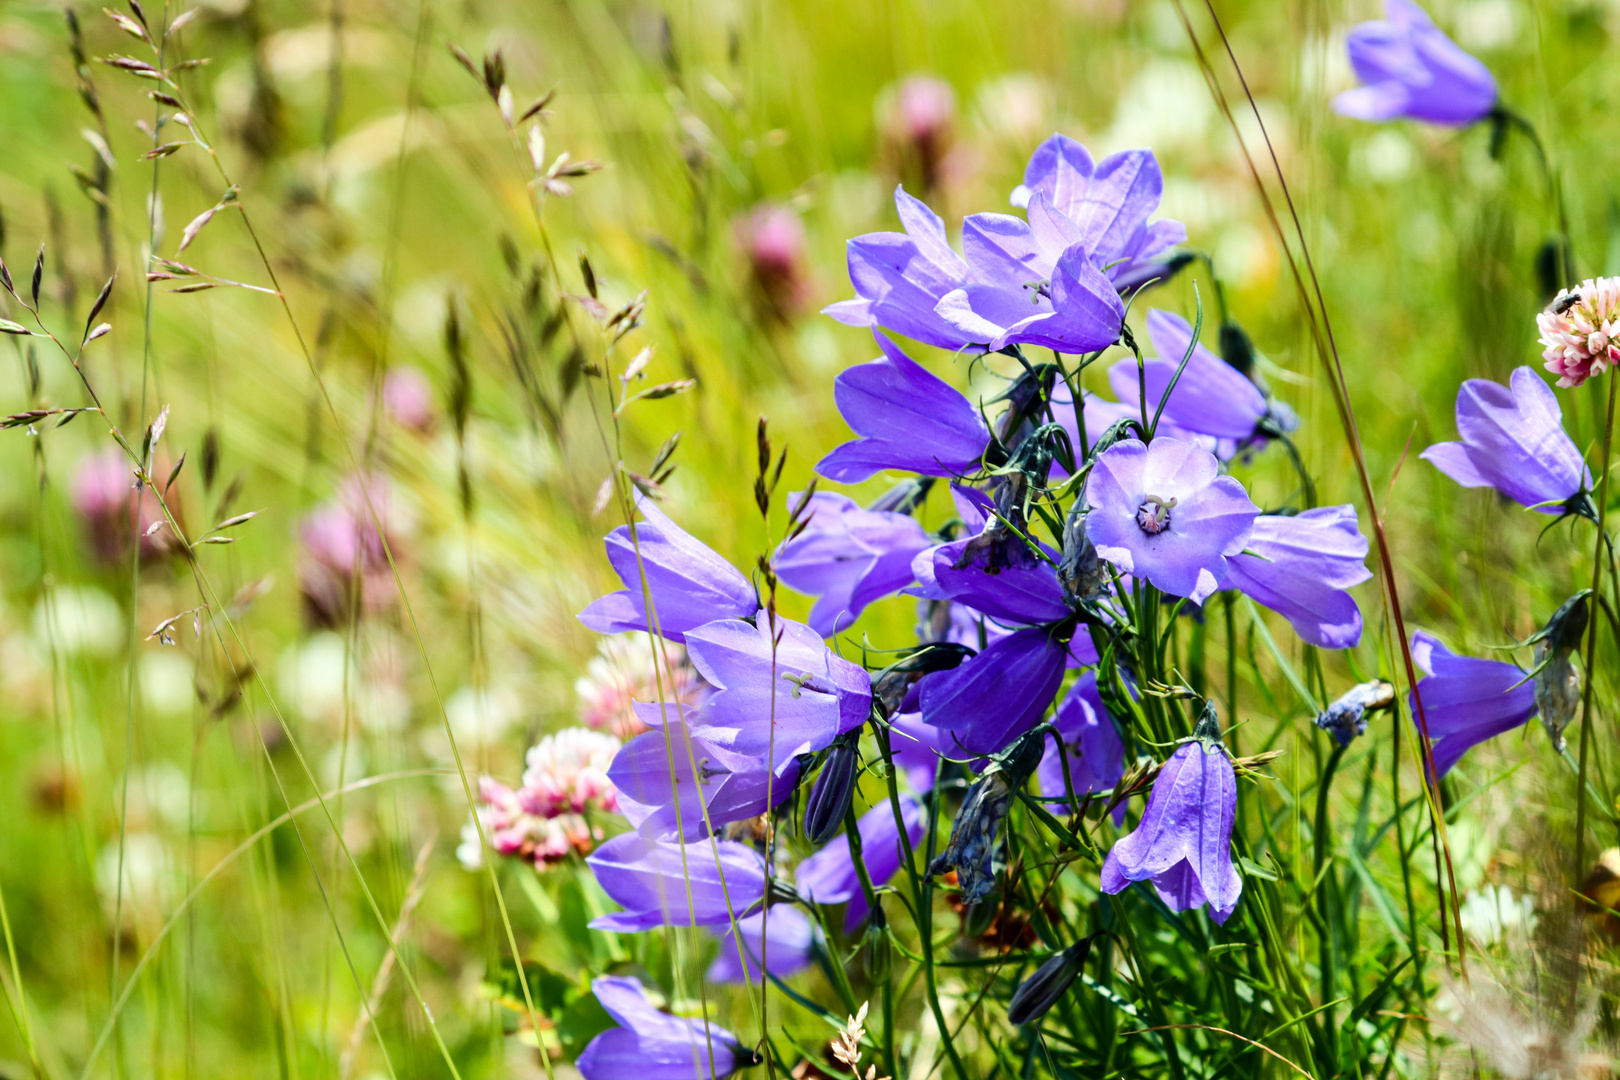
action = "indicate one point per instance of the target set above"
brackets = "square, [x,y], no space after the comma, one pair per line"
[834,788]
[1038,993]
[1346,718]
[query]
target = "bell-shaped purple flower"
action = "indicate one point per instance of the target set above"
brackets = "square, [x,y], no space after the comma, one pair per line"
[652,881]
[1211,398]
[1466,699]
[1301,567]
[1004,580]
[1409,68]
[690,584]
[999,694]
[813,694]
[908,420]
[1033,283]
[788,940]
[653,1045]
[900,278]
[1183,844]
[848,557]
[1109,201]
[655,770]
[1096,754]
[1513,440]
[1161,511]
[829,876]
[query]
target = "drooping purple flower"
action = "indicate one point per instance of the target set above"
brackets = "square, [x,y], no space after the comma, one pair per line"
[1465,699]
[1110,201]
[655,767]
[1161,511]
[1032,283]
[1096,754]
[1211,398]
[812,694]
[829,876]
[848,557]
[900,278]
[908,420]
[1513,440]
[1183,844]
[653,1045]
[789,941]
[651,881]
[1300,569]
[690,584]
[1410,68]
[999,694]
[1003,579]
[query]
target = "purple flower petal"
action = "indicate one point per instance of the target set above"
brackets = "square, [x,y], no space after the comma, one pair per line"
[652,881]
[1409,68]
[999,694]
[1466,700]
[1301,568]
[849,557]
[789,941]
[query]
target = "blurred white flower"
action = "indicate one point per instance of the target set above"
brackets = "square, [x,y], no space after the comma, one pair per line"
[167,681]
[1485,24]
[148,878]
[1491,911]
[79,619]
[1384,156]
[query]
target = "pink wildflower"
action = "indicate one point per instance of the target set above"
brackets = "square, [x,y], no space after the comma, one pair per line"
[624,672]
[543,820]
[1579,330]
[408,397]
[773,239]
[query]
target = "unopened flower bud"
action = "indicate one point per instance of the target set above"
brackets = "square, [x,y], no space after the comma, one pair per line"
[876,949]
[830,798]
[1038,993]
[1557,683]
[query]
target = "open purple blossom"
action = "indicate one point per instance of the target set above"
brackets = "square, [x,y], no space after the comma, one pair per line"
[652,880]
[1513,440]
[1465,699]
[1301,567]
[1161,511]
[811,694]
[1108,201]
[999,694]
[1004,579]
[1210,398]
[1033,282]
[829,876]
[900,278]
[653,1045]
[723,787]
[908,420]
[790,942]
[1095,753]
[848,558]
[1183,844]
[1409,68]
[690,584]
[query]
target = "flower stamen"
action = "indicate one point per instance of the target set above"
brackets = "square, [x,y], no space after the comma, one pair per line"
[1153,516]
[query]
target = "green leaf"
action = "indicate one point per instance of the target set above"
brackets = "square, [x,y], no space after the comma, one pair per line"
[1249,866]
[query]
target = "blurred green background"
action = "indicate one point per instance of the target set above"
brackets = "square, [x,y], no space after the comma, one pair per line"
[387,193]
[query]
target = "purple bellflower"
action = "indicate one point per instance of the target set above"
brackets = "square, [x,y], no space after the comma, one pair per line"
[999,694]
[1183,844]
[1160,511]
[1513,440]
[1033,283]
[1410,68]
[848,558]
[1108,201]
[900,278]
[1096,754]
[1211,398]
[829,876]
[690,584]
[812,695]
[653,1045]
[908,420]
[651,881]
[1300,569]
[729,786]
[791,941]
[1466,699]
